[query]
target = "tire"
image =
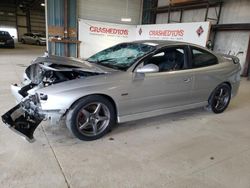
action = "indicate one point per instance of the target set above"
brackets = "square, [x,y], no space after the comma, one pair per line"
[23,41]
[91,118]
[38,43]
[220,98]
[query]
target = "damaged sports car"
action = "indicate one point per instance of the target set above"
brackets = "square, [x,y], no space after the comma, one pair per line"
[126,82]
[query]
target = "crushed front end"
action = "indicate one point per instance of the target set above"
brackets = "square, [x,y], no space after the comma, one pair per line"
[44,72]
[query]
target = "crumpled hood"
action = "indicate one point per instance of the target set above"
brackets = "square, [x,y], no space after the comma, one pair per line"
[36,71]
[71,63]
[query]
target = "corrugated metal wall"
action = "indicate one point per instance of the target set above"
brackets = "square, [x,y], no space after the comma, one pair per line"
[13,17]
[232,12]
[226,41]
[55,18]
[37,21]
[109,10]
[56,26]
[7,15]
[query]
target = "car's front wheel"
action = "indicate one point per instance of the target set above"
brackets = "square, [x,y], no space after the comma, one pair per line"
[91,118]
[220,98]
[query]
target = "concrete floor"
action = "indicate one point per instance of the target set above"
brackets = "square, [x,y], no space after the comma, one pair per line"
[188,149]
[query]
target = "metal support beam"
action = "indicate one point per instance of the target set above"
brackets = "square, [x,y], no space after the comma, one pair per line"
[246,70]
[181,13]
[66,26]
[169,13]
[201,5]
[207,10]
[28,20]
[218,16]
[231,27]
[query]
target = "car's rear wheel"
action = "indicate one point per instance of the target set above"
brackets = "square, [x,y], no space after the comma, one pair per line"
[23,41]
[91,118]
[220,98]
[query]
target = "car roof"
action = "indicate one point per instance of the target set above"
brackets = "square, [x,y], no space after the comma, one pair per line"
[4,31]
[160,43]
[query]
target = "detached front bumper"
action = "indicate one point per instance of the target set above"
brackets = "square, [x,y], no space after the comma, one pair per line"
[23,119]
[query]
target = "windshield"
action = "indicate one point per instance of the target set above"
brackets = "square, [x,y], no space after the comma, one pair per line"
[121,56]
[4,33]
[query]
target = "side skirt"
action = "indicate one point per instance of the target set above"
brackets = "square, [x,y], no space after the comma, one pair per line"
[158,112]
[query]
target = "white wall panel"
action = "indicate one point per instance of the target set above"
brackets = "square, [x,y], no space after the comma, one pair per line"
[162,18]
[194,16]
[232,42]
[109,10]
[235,12]
[162,3]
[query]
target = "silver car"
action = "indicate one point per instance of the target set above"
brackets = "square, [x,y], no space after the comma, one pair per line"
[126,82]
[34,38]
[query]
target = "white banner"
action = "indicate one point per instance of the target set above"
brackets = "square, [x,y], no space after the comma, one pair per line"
[195,32]
[96,36]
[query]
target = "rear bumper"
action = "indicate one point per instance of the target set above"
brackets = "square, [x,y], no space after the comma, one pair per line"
[8,45]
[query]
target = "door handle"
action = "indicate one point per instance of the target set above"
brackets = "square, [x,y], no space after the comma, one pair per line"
[187,80]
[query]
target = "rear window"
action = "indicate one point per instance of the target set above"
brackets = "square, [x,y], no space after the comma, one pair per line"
[4,33]
[202,58]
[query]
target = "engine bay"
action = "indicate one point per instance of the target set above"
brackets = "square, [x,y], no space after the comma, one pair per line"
[46,74]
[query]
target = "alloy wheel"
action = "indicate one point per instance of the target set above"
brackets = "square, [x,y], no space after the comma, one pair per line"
[93,118]
[221,98]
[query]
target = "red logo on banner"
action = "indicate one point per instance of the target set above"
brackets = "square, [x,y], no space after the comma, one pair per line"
[199,31]
[167,33]
[108,30]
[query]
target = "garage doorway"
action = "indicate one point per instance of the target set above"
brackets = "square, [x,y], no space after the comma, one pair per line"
[246,71]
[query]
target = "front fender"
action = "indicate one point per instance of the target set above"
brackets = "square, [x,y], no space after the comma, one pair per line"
[64,100]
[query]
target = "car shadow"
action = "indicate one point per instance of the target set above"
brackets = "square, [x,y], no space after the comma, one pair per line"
[60,136]
[160,120]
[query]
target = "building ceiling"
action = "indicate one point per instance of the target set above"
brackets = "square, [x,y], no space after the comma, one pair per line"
[23,4]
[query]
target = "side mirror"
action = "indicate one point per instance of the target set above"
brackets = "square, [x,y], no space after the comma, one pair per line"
[12,36]
[149,68]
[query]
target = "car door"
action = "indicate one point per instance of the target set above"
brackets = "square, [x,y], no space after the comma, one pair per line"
[28,38]
[32,38]
[170,87]
[205,69]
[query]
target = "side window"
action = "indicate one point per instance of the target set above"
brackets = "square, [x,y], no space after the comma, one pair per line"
[202,58]
[169,59]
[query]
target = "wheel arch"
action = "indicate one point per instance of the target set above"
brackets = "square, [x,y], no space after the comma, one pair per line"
[228,83]
[225,82]
[109,98]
